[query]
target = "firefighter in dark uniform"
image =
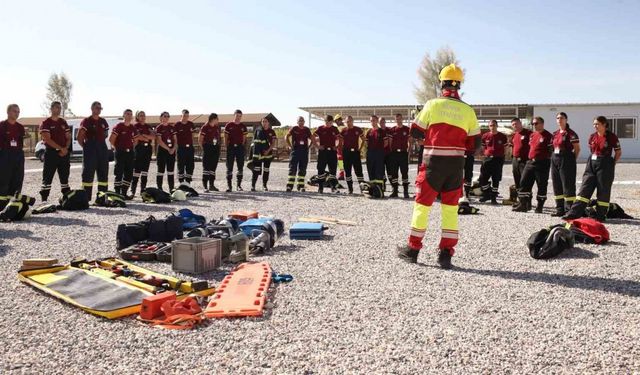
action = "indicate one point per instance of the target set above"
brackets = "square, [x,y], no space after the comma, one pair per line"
[142,152]
[184,133]
[537,168]
[298,140]
[95,155]
[235,137]
[599,172]
[493,145]
[400,139]
[327,138]
[265,141]
[166,154]
[376,142]
[352,143]
[123,139]
[519,154]
[566,148]
[12,136]
[387,152]
[469,161]
[209,140]
[56,135]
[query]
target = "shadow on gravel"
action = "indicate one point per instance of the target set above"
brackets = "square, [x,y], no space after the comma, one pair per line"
[10,234]
[623,221]
[281,249]
[4,250]
[52,220]
[150,207]
[109,211]
[623,287]
[577,253]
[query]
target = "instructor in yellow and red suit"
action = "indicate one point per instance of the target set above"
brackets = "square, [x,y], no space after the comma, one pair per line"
[447,122]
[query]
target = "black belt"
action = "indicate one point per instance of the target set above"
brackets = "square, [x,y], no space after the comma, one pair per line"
[327,149]
[522,159]
[400,150]
[123,149]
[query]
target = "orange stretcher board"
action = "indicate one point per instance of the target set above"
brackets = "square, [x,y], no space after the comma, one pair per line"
[242,293]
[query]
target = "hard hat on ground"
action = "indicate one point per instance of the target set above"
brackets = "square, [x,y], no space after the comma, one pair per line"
[179,195]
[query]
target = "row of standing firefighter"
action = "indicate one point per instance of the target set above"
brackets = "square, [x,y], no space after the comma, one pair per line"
[450,126]
[132,141]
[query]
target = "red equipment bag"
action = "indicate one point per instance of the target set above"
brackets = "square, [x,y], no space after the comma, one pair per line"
[593,229]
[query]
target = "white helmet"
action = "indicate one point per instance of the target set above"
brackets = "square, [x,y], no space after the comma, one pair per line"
[179,195]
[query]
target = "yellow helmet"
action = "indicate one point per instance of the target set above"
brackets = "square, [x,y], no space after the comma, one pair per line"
[451,72]
[337,117]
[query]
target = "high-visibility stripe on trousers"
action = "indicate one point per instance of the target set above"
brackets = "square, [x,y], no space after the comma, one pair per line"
[444,178]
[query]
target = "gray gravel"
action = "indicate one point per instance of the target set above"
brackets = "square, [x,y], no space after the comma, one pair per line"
[352,307]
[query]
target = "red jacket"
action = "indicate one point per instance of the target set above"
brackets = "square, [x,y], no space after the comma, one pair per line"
[592,228]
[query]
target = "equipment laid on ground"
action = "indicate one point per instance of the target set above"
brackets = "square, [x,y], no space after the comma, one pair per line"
[260,242]
[151,229]
[154,195]
[372,190]
[615,211]
[110,199]
[242,293]
[191,220]
[32,264]
[235,244]
[188,190]
[307,231]
[589,231]
[145,251]
[464,208]
[550,242]
[18,208]
[110,287]
[274,227]
[243,215]
[326,220]
[46,208]
[74,200]
[196,255]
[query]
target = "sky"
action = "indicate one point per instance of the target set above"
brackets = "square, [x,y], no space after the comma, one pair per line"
[276,56]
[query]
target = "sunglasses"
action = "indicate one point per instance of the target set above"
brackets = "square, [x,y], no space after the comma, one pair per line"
[165,116]
[535,123]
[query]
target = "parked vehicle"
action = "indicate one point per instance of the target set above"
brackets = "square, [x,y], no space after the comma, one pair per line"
[75,146]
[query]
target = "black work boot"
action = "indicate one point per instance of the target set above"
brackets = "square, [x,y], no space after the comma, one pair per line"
[601,213]
[228,185]
[540,206]
[486,195]
[467,190]
[394,192]
[524,205]
[444,259]
[494,198]
[559,212]
[408,254]
[405,188]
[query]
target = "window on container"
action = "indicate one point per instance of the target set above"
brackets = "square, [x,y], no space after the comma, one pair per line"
[624,127]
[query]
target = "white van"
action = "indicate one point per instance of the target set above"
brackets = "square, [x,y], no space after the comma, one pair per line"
[75,146]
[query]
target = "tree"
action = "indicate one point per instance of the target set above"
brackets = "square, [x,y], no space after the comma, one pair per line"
[59,89]
[429,71]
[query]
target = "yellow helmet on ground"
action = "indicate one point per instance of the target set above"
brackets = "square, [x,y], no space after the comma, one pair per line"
[451,72]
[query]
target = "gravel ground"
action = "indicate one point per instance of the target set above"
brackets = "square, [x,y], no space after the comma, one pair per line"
[352,307]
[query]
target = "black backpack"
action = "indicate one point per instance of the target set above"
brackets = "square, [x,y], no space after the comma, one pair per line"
[154,195]
[74,200]
[130,234]
[166,230]
[549,242]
